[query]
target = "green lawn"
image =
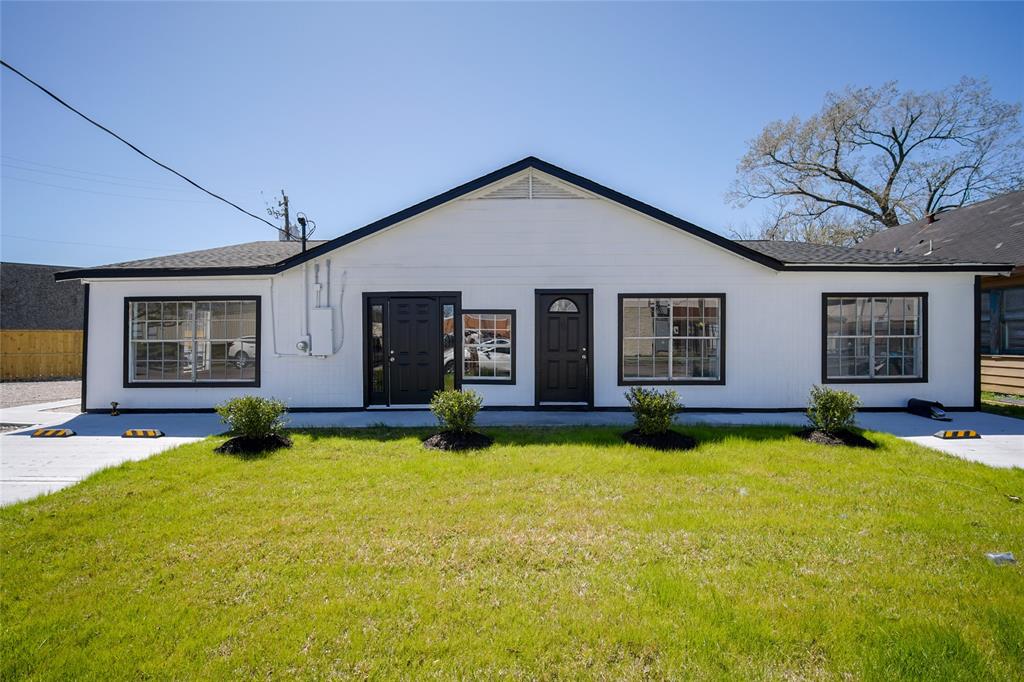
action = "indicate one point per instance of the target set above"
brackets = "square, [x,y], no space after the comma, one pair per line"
[998,404]
[555,554]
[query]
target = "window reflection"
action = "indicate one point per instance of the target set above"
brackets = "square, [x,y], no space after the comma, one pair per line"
[193,341]
[671,338]
[487,346]
[448,344]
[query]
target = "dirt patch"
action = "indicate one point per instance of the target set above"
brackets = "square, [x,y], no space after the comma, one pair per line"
[454,441]
[244,445]
[844,437]
[670,440]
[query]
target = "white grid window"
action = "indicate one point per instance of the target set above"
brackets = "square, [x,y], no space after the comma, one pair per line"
[869,337]
[192,341]
[672,339]
[487,346]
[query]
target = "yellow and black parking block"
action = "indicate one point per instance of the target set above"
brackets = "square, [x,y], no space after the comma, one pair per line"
[142,433]
[52,433]
[957,435]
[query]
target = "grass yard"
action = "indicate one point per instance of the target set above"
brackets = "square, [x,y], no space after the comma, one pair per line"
[555,554]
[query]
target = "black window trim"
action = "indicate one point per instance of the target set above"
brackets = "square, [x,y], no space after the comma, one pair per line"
[461,352]
[720,381]
[923,295]
[126,341]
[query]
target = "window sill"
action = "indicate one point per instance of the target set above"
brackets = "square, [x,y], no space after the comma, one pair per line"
[894,380]
[488,382]
[671,382]
[191,384]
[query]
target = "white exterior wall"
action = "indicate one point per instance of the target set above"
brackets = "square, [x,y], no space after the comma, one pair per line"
[496,252]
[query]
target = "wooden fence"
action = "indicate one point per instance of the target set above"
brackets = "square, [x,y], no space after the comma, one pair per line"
[1003,374]
[40,354]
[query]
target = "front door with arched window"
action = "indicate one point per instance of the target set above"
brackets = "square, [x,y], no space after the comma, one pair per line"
[564,353]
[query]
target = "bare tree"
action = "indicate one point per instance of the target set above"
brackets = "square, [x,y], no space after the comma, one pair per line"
[876,157]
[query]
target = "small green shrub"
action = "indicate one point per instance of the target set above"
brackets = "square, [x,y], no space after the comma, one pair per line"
[252,416]
[653,410]
[456,410]
[831,410]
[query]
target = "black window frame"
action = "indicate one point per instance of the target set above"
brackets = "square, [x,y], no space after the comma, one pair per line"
[923,295]
[478,381]
[720,381]
[126,341]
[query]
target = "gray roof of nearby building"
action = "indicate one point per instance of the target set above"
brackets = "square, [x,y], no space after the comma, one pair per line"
[989,231]
[31,299]
[802,253]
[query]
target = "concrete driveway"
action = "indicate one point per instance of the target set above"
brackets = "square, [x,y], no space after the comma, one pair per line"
[32,466]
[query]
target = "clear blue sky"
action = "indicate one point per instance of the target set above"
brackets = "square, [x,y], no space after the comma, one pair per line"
[359,110]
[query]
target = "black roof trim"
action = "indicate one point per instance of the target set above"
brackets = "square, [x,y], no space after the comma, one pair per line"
[128,273]
[924,267]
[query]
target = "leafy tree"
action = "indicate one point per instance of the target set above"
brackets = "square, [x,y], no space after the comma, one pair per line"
[875,157]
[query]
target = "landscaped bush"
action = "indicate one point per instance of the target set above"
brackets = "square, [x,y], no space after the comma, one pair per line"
[456,410]
[653,410]
[831,410]
[255,423]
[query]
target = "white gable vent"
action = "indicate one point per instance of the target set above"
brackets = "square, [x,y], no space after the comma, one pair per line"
[531,185]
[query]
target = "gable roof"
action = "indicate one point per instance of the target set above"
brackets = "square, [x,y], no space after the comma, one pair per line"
[257,258]
[990,230]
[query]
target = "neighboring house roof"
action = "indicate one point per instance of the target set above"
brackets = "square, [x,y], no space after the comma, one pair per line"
[988,231]
[31,299]
[263,263]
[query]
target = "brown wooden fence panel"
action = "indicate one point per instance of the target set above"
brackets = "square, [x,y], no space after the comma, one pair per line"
[40,354]
[1002,373]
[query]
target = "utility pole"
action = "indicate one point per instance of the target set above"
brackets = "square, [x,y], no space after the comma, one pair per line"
[286,235]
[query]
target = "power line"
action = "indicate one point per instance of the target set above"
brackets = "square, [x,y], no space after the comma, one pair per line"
[136,149]
[54,241]
[82,179]
[108,194]
[85,172]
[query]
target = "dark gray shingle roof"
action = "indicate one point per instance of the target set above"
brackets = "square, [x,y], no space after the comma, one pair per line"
[801,253]
[990,231]
[250,254]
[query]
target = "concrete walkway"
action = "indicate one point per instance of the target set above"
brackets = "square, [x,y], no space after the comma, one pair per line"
[32,466]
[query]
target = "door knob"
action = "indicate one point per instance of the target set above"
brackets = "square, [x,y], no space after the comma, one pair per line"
[392,358]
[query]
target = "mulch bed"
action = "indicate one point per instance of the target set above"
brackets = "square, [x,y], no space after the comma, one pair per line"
[670,440]
[454,441]
[844,437]
[244,445]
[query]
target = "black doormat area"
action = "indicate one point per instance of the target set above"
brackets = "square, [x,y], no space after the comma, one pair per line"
[670,440]
[244,445]
[454,441]
[844,437]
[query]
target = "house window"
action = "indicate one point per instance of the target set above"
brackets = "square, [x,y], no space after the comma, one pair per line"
[672,339]
[205,341]
[488,346]
[1002,321]
[874,337]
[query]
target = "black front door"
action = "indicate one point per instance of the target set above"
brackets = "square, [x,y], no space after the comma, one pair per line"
[414,354]
[564,360]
